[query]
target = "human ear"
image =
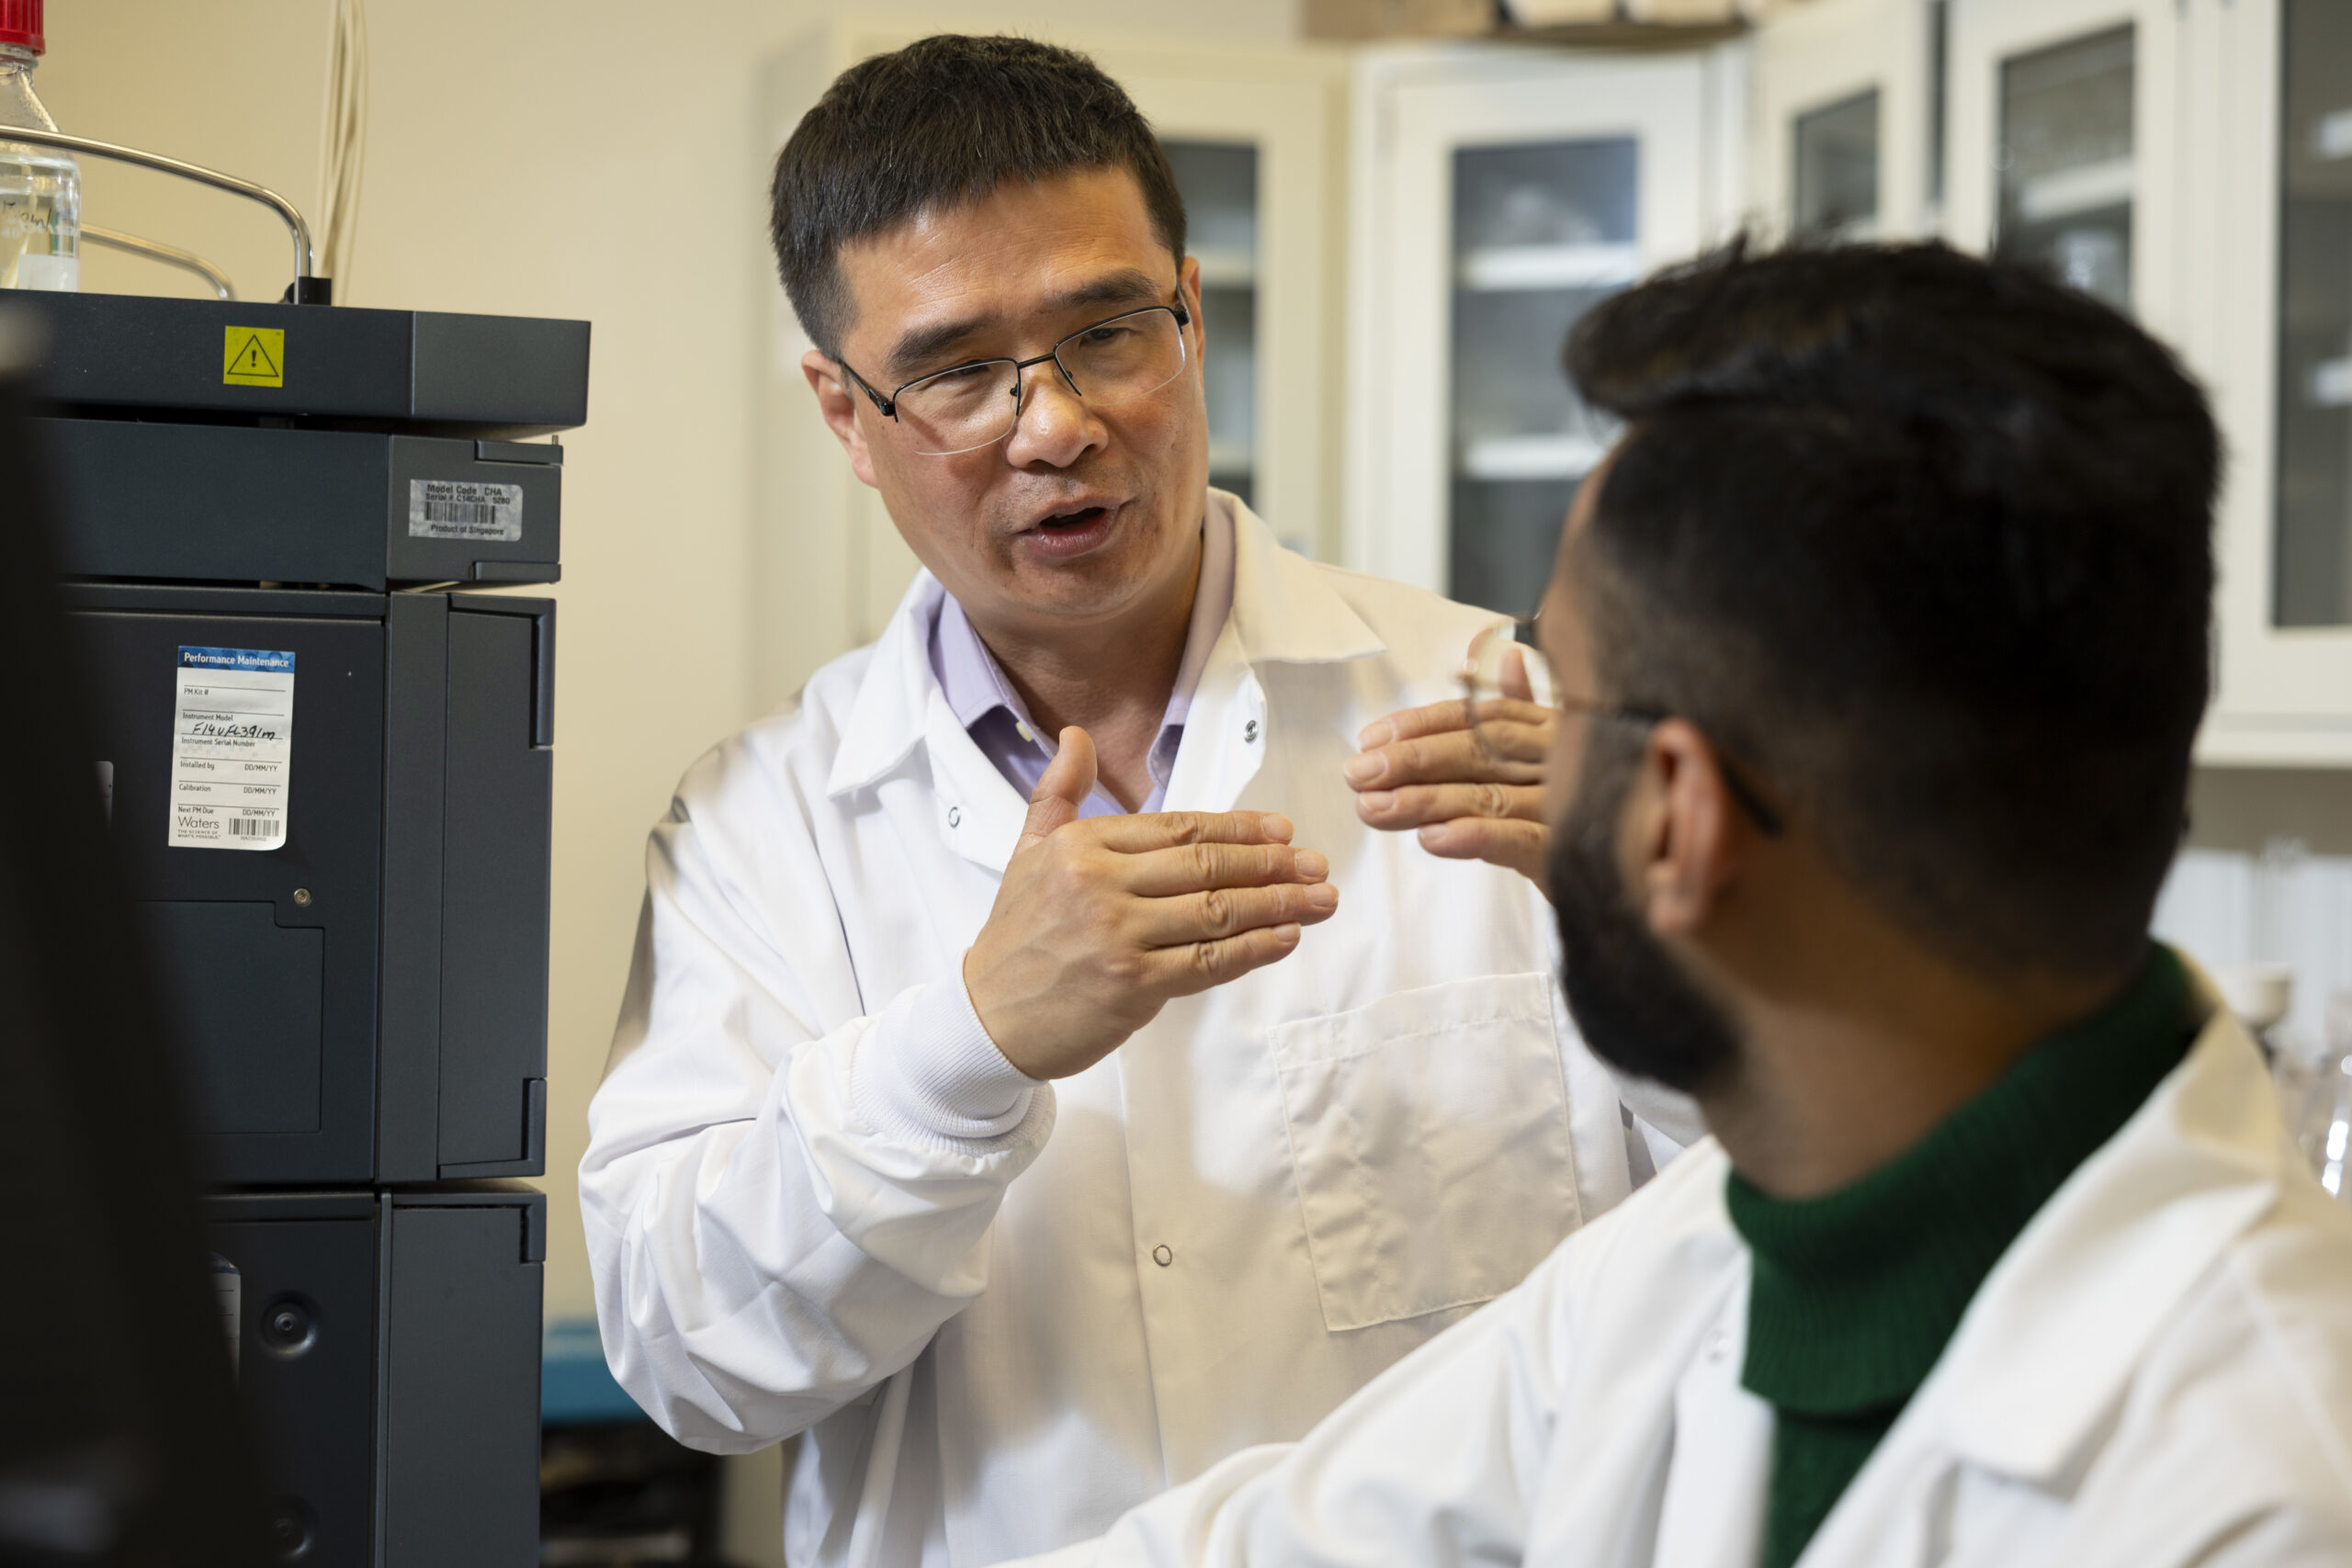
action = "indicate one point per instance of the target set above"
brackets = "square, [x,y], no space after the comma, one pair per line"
[1684,828]
[837,400]
[1188,289]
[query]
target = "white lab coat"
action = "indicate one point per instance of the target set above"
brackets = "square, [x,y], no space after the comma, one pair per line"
[2158,1372]
[999,1342]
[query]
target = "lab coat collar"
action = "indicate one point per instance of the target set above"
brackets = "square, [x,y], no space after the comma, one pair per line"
[2036,1366]
[894,700]
[1284,610]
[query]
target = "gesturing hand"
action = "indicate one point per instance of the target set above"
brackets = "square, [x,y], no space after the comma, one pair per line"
[1101,920]
[1471,797]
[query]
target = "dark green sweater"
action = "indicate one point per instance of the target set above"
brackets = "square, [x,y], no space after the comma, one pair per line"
[1856,1293]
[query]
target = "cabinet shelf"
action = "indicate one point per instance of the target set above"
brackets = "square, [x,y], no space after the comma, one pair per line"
[1529,456]
[1498,267]
[2067,193]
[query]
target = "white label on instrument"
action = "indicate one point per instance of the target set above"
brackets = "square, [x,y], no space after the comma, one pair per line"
[460,509]
[233,743]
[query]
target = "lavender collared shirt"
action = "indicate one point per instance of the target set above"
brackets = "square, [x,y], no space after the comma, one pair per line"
[991,712]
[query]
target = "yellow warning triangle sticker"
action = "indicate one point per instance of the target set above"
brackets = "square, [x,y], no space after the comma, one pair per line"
[253,356]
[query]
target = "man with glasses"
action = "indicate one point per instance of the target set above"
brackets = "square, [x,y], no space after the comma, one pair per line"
[1038,1080]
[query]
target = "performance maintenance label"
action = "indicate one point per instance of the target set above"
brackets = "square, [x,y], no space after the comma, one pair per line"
[461,509]
[232,741]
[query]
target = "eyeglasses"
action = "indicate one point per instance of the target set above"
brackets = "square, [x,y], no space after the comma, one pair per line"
[967,407]
[1507,683]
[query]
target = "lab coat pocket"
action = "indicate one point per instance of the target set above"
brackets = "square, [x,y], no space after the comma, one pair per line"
[1430,1135]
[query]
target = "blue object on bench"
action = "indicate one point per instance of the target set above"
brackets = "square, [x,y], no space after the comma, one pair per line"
[576,1389]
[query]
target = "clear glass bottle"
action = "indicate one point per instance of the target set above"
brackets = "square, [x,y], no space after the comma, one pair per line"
[41,189]
[2323,1129]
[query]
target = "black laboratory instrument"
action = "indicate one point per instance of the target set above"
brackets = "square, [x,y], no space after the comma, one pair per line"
[323,738]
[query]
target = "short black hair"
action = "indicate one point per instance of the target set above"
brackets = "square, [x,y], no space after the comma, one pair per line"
[1926,541]
[944,120]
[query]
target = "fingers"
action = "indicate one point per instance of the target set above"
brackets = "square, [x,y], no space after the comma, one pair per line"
[1223,912]
[1435,719]
[1186,971]
[1516,682]
[1136,835]
[1509,754]
[1515,845]
[1069,780]
[1192,868]
[1417,805]
[1439,719]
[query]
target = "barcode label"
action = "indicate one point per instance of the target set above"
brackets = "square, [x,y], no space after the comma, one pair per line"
[233,743]
[460,509]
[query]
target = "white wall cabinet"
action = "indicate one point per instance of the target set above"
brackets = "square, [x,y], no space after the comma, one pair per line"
[2189,161]
[1256,136]
[1498,194]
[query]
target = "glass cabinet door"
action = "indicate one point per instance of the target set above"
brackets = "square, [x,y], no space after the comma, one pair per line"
[2075,131]
[2313,558]
[1834,186]
[1219,183]
[2067,178]
[1503,192]
[1253,135]
[1850,113]
[1541,233]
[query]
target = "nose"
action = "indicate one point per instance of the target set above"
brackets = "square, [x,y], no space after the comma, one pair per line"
[1053,428]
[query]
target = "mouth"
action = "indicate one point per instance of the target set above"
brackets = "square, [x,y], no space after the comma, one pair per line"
[1072,517]
[1070,530]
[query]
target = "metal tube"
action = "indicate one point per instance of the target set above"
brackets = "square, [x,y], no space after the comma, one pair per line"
[170,255]
[284,210]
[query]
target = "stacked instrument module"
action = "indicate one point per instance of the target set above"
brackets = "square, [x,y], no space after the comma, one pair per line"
[327,755]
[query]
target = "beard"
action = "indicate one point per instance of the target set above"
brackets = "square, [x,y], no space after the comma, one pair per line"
[1634,1006]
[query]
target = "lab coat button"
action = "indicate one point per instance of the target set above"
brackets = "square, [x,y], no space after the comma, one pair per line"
[1249,730]
[1161,1256]
[955,817]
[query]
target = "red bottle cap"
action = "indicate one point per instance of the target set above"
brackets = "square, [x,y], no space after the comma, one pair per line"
[20,23]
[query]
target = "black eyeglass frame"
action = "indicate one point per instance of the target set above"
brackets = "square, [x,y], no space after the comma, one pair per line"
[1767,818]
[889,407]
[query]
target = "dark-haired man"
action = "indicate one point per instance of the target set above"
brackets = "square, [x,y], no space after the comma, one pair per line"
[1290,1135]
[1880,645]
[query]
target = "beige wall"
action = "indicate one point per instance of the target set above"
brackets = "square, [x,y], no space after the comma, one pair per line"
[589,159]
